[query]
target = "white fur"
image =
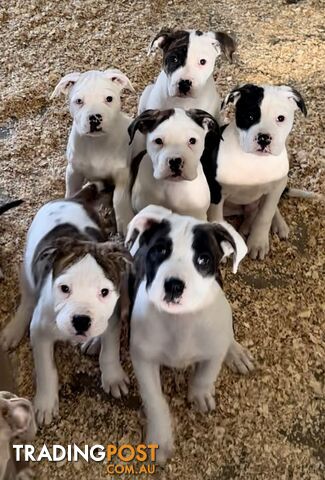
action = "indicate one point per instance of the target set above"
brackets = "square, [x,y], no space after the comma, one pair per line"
[196,331]
[52,311]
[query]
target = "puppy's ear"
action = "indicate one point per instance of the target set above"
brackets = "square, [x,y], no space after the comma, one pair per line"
[19,415]
[204,119]
[65,84]
[114,260]
[231,242]
[121,80]
[161,41]
[232,97]
[145,219]
[223,43]
[300,102]
[148,121]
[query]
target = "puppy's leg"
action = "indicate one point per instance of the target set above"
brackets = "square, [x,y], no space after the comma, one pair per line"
[159,424]
[122,201]
[279,225]
[144,98]
[73,181]
[215,212]
[14,331]
[258,240]
[202,383]
[239,359]
[46,402]
[114,379]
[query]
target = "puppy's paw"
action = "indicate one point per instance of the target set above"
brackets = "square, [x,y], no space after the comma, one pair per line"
[165,443]
[46,407]
[91,347]
[203,397]
[258,245]
[11,336]
[115,381]
[239,359]
[280,227]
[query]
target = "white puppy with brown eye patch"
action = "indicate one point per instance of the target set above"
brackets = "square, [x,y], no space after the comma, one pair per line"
[98,146]
[248,168]
[186,81]
[69,290]
[169,171]
[180,315]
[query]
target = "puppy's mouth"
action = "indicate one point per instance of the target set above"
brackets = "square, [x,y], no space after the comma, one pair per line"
[264,150]
[96,133]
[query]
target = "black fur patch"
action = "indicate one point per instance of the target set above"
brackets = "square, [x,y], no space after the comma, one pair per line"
[175,48]
[134,168]
[248,107]
[148,120]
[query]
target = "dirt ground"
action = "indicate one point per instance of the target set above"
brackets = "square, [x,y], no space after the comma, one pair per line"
[266,426]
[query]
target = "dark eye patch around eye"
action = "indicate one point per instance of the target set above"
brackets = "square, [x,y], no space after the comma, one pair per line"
[248,107]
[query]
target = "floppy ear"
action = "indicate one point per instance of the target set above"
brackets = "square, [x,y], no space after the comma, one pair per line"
[300,102]
[160,40]
[111,251]
[65,84]
[204,119]
[19,415]
[224,42]
[231,242]
[119,79]
[232,97]
[142,221]
[148,121]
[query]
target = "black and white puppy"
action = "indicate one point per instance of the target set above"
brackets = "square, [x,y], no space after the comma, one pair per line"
[249,168]
[70,285]
[180,315]
[169,171]
[186,81]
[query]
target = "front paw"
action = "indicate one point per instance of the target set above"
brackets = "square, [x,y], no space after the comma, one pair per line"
[203,397]
[115,381]
[165,443]
[239,359]
[280,227]
[10,336]
[258,244]
[46,407]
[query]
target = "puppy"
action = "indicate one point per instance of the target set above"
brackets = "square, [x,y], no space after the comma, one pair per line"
[180,315]
[98,143]
[247,170]
[70,286]
[186,81]
[8,205]
[169,172]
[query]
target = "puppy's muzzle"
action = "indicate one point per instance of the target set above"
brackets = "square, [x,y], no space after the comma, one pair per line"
[264,140]
[175,165]
[184,86]
[81,323]
[95,122]
[174,288]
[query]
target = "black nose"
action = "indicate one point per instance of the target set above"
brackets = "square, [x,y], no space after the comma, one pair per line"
[184,86]
[81,323]
[95,121]
[174,287]
[175,164]
[264,139]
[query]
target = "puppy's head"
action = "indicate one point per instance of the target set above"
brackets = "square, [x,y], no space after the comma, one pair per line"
[94,99]
[178,258]
[175,140]
[264,116]
[189,58]
[82,279]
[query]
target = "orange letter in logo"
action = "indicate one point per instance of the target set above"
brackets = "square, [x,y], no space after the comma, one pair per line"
[111,451]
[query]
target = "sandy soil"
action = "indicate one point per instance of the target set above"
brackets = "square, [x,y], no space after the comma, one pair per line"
[271,424]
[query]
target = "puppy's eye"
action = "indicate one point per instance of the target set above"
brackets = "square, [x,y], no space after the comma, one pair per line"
[251,117]
[203,260]
[192,141]
[79,101]
[104,292]
[173,59]
[109,99]
[158,141]
[65,289]
[203,61]
[280,119]
[158,251]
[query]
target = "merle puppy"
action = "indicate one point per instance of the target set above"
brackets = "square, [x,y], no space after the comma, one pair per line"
[247,170]
[180,315]
[186,80]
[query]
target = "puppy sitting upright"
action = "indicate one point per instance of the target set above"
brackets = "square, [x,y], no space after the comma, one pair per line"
[180,315]
[186,80]
[98,143]
[169,172]
[70,285]
[247,170]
